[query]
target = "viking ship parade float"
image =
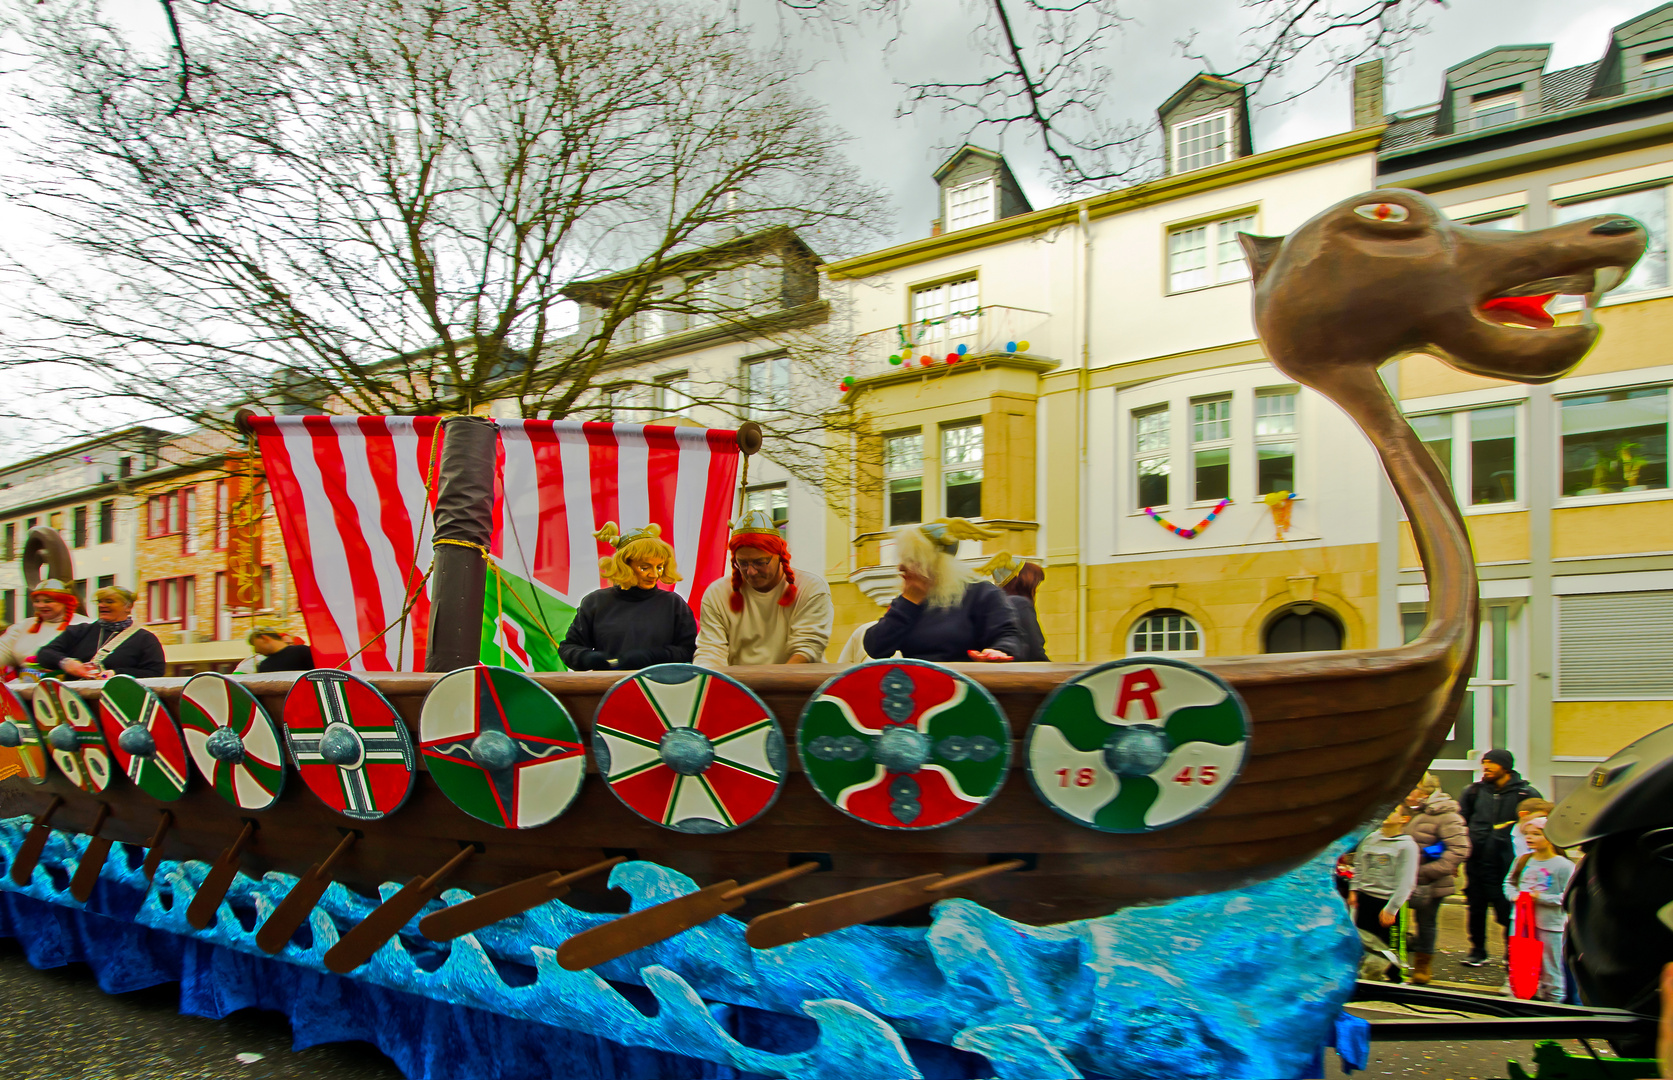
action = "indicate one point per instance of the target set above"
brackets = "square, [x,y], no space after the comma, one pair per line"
[780,837]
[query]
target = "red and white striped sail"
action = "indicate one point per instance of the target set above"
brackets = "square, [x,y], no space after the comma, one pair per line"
[353,497]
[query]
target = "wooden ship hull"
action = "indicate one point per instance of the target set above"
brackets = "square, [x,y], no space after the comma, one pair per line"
[1334,736]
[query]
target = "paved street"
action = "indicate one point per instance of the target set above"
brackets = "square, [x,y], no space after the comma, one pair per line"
[58,1024]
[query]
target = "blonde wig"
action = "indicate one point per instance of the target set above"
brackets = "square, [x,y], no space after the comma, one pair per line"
[647,543]
[947,575]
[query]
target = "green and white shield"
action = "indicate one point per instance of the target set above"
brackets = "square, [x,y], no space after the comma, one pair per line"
[1137,745]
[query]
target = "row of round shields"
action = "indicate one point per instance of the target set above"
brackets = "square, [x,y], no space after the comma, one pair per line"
[1131,746]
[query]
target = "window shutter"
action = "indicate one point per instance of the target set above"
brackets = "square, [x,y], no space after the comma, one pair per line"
[1614,645]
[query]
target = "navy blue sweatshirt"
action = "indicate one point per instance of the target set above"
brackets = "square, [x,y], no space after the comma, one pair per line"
[141,655]
[620,629]
[981,620]
[1028,629]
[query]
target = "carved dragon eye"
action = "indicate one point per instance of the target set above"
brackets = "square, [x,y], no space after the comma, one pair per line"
[1383,211]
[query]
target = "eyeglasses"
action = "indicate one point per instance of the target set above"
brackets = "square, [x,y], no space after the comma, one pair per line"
[757,564]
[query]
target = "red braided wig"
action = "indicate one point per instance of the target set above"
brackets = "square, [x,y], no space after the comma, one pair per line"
[772,545]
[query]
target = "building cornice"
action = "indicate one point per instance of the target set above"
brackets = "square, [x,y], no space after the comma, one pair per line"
[1022,226]
[690,341]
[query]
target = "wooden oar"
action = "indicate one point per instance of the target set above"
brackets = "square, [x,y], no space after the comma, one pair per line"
[803,921]
[154,846]
[592,947]
[514,899]
[93,859]
[302,899]
[29,852]
[214,888]
[359,944]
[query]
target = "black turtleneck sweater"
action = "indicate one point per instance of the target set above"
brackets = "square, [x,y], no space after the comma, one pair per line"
[621,629]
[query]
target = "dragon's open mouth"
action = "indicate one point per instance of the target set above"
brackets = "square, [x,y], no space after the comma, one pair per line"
[1524,305]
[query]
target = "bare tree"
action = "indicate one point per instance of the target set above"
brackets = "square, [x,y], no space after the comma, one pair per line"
[1040,69]
[378,207]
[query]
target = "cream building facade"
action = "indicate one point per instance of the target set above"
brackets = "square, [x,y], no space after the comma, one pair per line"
[1565,487]
[1109,366]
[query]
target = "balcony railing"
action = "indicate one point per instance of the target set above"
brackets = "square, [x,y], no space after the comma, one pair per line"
[983,331]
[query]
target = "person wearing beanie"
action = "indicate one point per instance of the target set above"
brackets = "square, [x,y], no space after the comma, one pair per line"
[55,612]
[1489,809]
[767,612]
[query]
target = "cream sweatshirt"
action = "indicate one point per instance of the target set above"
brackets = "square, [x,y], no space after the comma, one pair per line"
[763,632]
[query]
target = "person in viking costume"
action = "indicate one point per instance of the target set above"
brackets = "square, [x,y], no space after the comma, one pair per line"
[114,645]
[768,613]
[55,612]
[1018,579]
[944,611]
[633,623]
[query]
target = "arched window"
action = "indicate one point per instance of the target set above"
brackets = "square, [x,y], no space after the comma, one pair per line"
[1165,632]
[1303,628]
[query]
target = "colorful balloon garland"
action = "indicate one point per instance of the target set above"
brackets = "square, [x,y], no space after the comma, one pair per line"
[1192,533]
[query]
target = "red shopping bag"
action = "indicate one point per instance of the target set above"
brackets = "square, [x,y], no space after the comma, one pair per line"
[1527,953]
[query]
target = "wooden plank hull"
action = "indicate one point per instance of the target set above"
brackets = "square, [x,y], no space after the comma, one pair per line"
[1334,737]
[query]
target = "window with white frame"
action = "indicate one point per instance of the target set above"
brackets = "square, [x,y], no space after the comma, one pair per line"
[613,401]
[1275,440]
[1203,141]
[1615,442]
[1211,449]
[1649,207]
[1165,632]
[1495,108]
[767,386]
[172,600]
[1657,71]
[773,498]
[961,470]
[1207,254]
[1151,462]
[970,204]
[1476,449]
[941,314]
[671,394]
[903,477]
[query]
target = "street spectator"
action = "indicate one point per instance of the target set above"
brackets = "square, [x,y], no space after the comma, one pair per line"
[1385,873]
[1528,808]
[115,645]
[1544,874]
[278,651]
[944,612]
[1489,809]
[1443,843]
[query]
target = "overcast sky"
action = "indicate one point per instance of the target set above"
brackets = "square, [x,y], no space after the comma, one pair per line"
[859,71]
[860,77]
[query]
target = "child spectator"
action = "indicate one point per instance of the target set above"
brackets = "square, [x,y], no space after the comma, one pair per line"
[1385,872]
[1527,808]
[1544,874]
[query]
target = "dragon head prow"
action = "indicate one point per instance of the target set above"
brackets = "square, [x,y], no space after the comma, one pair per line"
[1385,273]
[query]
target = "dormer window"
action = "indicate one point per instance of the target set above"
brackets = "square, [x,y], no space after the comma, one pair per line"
[1203,141]
[1496,108]
[1658,70]
[970,204]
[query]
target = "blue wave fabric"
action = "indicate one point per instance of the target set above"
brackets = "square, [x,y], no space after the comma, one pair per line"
[1238,984]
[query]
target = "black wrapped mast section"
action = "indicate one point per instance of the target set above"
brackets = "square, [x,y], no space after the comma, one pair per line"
[464,513]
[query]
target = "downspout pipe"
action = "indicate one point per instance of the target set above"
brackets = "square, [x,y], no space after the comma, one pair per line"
[464,513]
[1083,545]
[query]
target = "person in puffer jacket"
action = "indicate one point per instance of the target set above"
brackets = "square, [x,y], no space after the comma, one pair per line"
[1443,841]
